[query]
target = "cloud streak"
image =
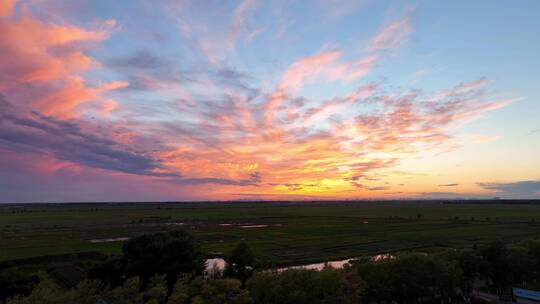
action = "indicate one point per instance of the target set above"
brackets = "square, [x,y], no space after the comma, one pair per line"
[67,141]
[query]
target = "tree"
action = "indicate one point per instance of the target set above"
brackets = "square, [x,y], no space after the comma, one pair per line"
[128,293]
[292,286]
[418,276]
[240,262]
[469,263]
[180,293]
[15,282]
[168,253]
[377,277]
[496,265]
[111,272]
[222,291]
[522,265]
[87,292]
[408,278]
[156,292]
[533,248]
[339,286]
[302,286]
[506,266]
[46,292]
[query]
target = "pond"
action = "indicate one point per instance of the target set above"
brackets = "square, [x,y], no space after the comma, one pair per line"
[108,240]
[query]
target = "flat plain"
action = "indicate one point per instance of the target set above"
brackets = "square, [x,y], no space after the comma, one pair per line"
[279,233]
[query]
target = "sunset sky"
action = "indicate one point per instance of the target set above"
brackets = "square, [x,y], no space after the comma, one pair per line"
[151,100]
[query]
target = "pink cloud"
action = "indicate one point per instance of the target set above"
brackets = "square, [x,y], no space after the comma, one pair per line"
[325,65]
[302,70]
[392,36]
[45,62]
[338,105]
[406,123]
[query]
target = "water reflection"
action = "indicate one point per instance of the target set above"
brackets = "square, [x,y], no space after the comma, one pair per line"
[218,264]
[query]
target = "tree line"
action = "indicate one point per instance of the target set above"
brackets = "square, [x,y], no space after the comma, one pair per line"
[169,268]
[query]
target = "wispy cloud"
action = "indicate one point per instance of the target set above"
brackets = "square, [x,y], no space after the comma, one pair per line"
[521,189]
[326,65]
[145,70]
[393,35]
[534,131]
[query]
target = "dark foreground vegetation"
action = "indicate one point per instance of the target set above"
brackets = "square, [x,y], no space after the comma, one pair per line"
[168,267]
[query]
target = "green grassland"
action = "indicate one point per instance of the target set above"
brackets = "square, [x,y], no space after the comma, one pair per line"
[297,233]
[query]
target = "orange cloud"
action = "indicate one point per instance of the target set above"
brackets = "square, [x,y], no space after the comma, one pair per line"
[64,101]
[6,7]
[109,106]
[293,156]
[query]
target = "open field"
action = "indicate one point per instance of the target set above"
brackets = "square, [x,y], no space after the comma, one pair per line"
[279,233]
